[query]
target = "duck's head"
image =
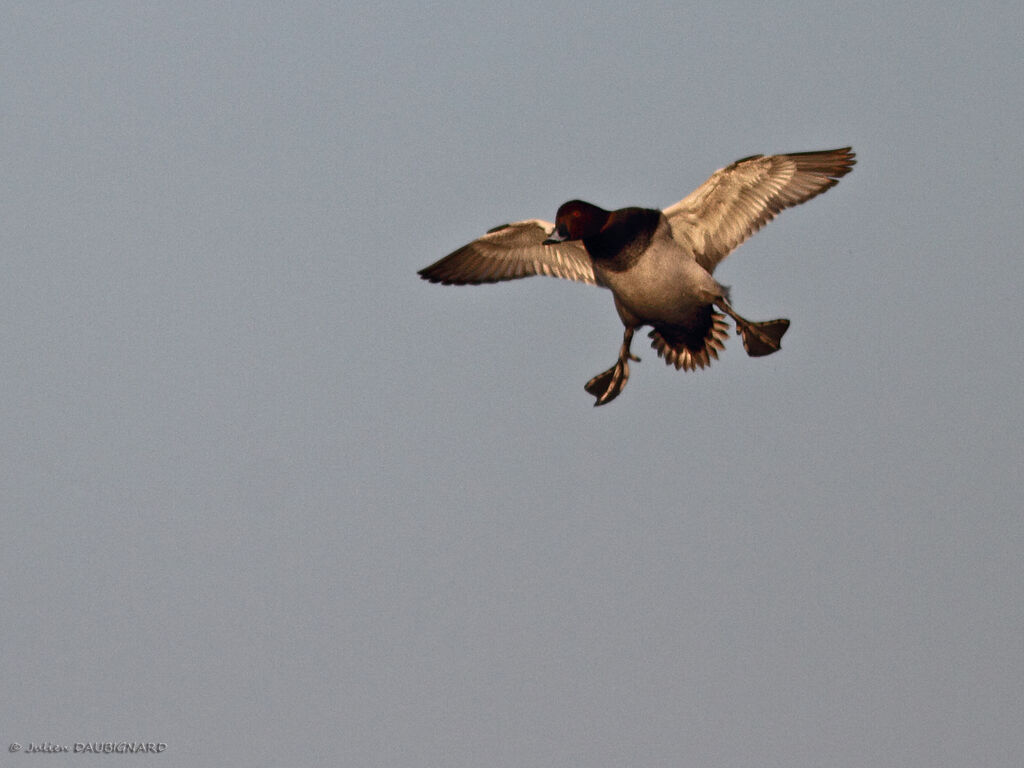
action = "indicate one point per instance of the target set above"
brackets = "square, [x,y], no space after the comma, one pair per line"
[576,220]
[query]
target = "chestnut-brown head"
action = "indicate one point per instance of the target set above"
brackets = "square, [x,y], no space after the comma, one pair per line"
[576,220]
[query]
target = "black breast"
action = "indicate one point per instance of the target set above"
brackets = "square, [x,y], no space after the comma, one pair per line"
[623,238]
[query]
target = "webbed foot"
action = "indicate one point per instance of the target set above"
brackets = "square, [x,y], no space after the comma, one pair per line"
[760,339]
[606,386]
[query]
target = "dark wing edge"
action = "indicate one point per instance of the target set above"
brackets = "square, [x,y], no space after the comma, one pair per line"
[736,201]
[510,252]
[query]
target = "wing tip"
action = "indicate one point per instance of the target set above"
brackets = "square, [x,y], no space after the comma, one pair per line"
[834,163]
[426,274]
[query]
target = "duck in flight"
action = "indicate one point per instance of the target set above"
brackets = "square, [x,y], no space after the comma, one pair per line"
[657,264]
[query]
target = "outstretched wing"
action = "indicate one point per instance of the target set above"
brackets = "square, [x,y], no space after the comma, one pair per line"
[512,251]
[740,199]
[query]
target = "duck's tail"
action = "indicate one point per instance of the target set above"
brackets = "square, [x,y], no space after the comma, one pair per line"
[694,345]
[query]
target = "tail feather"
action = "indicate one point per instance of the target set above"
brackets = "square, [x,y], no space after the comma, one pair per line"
[690,348]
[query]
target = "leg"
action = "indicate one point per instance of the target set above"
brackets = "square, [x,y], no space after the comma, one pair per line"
[607,386]
[759,339]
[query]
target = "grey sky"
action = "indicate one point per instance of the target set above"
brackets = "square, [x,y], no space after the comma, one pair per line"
[270,499]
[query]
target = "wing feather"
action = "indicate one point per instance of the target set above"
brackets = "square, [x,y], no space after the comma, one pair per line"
[740,199]
[510,252]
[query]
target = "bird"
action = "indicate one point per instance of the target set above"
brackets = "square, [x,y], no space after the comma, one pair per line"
[658,264]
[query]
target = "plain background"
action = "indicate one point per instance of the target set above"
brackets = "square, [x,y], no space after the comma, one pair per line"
[270,499]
